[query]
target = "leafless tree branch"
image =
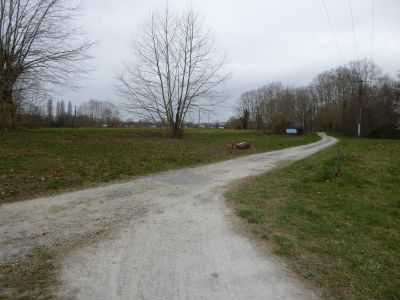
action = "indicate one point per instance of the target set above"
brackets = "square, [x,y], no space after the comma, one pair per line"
[176,69]
[37,39]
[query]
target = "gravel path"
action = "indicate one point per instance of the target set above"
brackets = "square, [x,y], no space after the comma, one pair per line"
[165,236]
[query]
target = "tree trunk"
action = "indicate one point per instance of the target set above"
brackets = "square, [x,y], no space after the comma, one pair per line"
[1,114]
[175,131]
[9,109]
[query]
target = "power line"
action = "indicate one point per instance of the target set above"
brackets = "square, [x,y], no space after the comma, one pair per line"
[332,30]
[373,30]
[354,29]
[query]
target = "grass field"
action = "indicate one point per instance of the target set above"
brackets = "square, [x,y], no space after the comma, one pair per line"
[46,161]
[342,234]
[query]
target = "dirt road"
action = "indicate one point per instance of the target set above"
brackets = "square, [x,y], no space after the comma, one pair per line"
[166,236]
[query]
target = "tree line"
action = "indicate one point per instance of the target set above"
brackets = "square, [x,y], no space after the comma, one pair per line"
[93,113]
[176,71]
[355,99]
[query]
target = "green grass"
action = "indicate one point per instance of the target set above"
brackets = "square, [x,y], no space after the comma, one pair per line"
[342,234]
[46,161]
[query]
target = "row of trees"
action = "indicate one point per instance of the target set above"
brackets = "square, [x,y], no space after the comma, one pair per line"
[98,113]
[93,113]
[354,99]
[176,71]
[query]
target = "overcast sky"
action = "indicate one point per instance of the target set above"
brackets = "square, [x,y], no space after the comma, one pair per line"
[266,40]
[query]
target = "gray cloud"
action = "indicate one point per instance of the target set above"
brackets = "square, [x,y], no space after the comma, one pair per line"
[266,40]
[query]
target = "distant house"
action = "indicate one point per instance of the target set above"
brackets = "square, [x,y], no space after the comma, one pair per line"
[294,131]
[291,130]
[294,128]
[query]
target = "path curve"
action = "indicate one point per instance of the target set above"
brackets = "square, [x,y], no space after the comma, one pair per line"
[169,236]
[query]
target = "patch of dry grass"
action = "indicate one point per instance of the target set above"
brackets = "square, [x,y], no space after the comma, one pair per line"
[29,277]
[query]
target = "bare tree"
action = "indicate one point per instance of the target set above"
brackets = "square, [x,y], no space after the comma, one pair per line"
[69,109]
[50,110]
[335,100]
[302,105]
[37,40]
[176,69]
[98,113]
[244,110]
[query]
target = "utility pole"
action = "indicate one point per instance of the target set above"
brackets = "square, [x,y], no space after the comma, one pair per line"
[360,88]
[75,120]
[199,116]
[360,112]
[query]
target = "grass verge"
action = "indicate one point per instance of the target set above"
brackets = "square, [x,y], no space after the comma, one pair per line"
[46,161]
[31,277]
[341,233]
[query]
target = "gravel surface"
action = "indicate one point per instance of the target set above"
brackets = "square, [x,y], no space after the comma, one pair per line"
[165,236]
